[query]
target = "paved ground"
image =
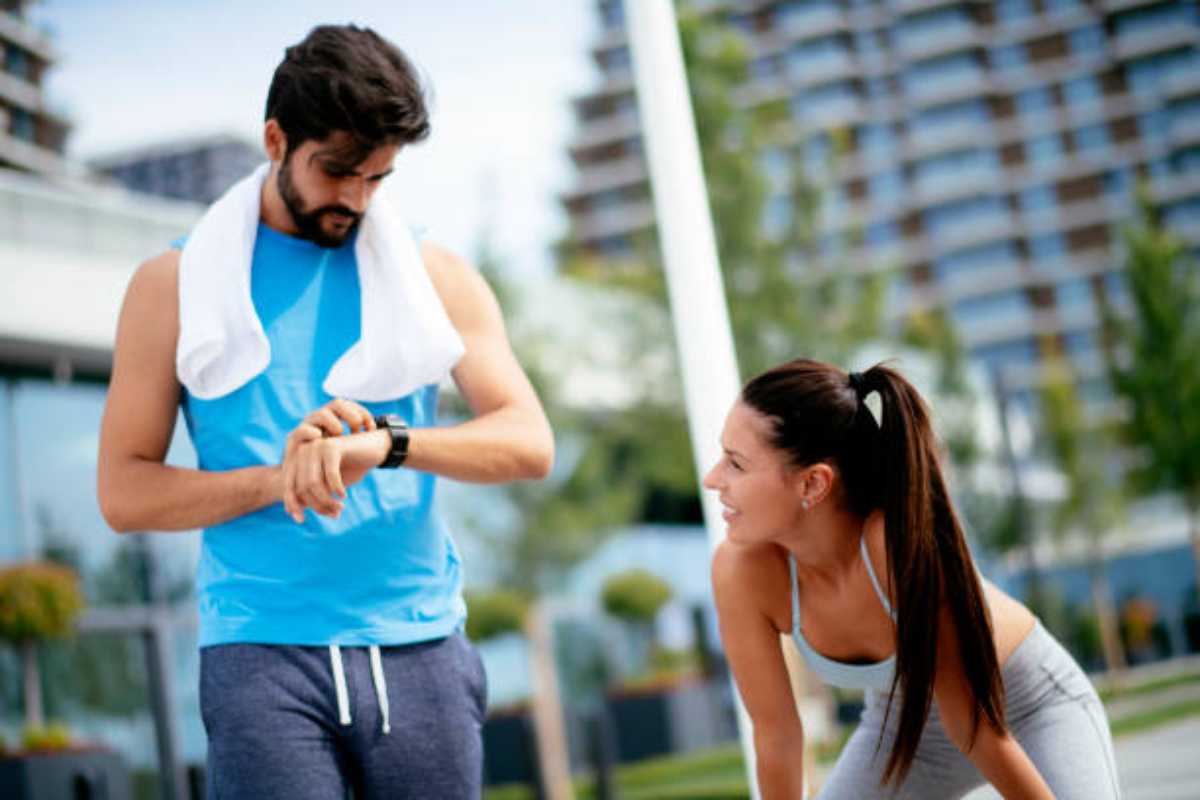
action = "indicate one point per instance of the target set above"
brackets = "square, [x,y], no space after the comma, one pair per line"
[1160,764]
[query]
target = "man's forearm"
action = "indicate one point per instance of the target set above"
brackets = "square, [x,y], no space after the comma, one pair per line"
[493,448]
[142,495]
[505,445]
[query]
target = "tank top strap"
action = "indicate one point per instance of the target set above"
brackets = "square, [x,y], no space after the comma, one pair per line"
[862,542]
[795,595]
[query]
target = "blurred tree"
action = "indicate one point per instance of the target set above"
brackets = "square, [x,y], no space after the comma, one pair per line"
[495,613]
[1153,355]
[636,595]
[38,601]
[1084,452]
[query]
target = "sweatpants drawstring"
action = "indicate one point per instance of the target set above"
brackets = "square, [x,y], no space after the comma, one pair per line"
[339,684]
[343,697]
[380,687]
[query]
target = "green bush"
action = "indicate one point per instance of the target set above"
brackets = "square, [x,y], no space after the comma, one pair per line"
[51,737]
[635,595]
[494,613]
[38,601]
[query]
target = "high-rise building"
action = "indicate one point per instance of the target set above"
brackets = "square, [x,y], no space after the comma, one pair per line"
[990,149]
[198,170]
[32,138]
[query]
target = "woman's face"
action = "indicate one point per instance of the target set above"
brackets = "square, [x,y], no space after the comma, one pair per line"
[757,486]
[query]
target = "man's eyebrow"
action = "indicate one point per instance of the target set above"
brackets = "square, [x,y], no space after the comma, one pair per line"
[732,452]
[348,169]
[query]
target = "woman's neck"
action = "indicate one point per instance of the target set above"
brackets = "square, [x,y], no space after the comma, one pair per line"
[826,547]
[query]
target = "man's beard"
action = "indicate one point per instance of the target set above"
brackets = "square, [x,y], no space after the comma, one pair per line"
[308,223]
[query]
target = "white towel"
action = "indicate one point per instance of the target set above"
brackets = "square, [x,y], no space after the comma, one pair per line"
[407,341]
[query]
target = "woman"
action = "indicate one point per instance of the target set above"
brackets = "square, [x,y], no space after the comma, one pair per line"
[841,532]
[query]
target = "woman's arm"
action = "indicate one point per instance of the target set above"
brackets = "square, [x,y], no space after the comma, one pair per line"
[751,642]
[997,755]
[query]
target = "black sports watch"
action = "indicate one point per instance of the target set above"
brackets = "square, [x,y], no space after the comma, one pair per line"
[398,428]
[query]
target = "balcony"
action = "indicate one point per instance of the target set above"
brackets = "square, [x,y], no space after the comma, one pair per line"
[20,93]
[16,30]
[610,175]
[1144,43]
[605,130]
[615,221]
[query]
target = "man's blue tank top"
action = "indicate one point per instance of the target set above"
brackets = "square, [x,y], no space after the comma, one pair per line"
[386,571]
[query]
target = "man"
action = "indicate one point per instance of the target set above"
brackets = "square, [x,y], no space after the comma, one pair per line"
[332,653]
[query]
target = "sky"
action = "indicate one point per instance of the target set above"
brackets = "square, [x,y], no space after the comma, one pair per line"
[134,73]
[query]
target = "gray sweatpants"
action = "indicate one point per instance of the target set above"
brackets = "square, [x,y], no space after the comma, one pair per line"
[282,724]
[1053,712]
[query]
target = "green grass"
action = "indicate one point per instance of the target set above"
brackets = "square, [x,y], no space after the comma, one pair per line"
[1146,720]
[1149,687]
[719,774]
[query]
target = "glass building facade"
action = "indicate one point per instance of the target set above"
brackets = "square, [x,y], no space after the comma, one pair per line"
[992,148]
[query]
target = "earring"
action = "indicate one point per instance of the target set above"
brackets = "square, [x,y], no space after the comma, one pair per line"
[804,504]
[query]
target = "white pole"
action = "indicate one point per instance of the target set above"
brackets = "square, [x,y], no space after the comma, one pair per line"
[689,251]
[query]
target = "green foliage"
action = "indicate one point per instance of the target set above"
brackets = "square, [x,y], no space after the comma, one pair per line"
[38,600]
[1083,451]
[494,613]
[54,736]
[1153,358]
[635,595]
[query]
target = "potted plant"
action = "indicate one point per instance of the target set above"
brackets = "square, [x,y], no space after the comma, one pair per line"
[41,601]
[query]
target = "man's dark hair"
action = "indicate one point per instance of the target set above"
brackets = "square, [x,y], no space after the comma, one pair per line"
[351,79]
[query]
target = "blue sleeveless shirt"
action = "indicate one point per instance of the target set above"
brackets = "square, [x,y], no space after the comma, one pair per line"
[386,571]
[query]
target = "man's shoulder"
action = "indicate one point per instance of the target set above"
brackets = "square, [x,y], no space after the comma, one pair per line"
[156,281]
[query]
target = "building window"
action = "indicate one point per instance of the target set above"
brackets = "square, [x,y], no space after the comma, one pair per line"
[1006,355]
[878,89]
[16,63]
[1092,139]
[1043,151]
[1074,295]
[919,30]
[1037,199]
[1082,92]
[613,14]
[1046,248]
[1081,345]
[1009,307]
[877,139]
[881,234]
[1087,41]
[960,217]
[827,103]
[1010,12]
[1009,56]
[1150,75]
[23,125]
[868,47]
[799,13]
[1159,17]
[1033,102]
[937,75]
[964,267]
[941,121]
[817,56]
[1119,181]
[886,188]
[951,168]
[1057,6]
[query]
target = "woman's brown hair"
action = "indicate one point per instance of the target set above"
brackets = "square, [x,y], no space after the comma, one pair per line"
[819,414]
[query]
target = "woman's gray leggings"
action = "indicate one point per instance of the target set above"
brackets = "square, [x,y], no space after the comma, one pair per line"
[1052,710]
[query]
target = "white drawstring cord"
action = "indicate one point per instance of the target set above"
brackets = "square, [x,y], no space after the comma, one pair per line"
[380,687]
[339,684]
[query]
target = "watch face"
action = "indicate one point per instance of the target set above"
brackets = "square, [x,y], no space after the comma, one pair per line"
[395,420]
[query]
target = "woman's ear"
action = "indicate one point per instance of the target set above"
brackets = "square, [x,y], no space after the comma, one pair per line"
[813,484]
